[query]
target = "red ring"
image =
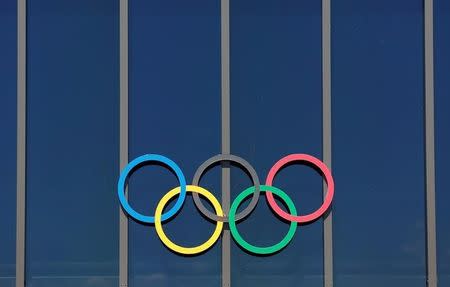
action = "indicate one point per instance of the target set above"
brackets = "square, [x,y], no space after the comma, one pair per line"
[328,178]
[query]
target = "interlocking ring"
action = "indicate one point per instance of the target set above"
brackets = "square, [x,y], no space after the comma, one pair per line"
[328,178]
[219,216]
[188,250]
[132,166]
[231,158]
[269,249]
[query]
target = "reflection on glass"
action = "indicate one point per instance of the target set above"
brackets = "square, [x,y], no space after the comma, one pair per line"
[175,111]
[378,150]
[8,48]
[72,143]
[276,109]
[442,116]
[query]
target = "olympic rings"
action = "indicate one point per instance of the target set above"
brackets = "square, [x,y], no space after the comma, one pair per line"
[255,249]
[188,250]
[243,163]
[328,178]
[123,181]
[219,216]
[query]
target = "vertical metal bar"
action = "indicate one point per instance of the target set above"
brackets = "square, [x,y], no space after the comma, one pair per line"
[429,146]
[21,141]
[225,109]
[326,137]
[123,229]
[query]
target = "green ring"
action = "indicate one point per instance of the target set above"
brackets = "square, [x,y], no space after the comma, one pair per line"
[255,249]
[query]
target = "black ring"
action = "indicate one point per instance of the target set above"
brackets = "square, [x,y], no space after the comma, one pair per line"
[231,158]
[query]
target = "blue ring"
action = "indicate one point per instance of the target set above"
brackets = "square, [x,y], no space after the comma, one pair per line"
[123,180]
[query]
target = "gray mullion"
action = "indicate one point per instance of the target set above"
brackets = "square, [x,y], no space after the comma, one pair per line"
[225,110]
[326,136]
[123,228]
[429,145]
[21,141]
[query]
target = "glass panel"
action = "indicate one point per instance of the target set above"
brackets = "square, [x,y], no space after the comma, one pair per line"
[276,109]
[8,107]
[442,104]
[378,151]
[72,143]
[174,111]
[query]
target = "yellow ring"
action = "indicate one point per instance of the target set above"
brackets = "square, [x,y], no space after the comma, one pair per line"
[188,250]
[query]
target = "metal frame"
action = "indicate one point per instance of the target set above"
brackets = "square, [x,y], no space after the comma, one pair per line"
[225,109]
[123,157]
[429,145]
[326,138]
[21,140]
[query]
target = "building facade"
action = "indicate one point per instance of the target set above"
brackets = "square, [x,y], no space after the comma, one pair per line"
[88,85]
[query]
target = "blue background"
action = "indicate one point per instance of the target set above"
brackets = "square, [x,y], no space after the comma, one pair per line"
[72,143]
[174,72]
[8,68]
[378,143]
[276,109]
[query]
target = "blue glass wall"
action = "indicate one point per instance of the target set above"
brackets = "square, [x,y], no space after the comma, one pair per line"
[175,111]
[378,143]
[442,103]
[8,76]
[72,143]
[276,109]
